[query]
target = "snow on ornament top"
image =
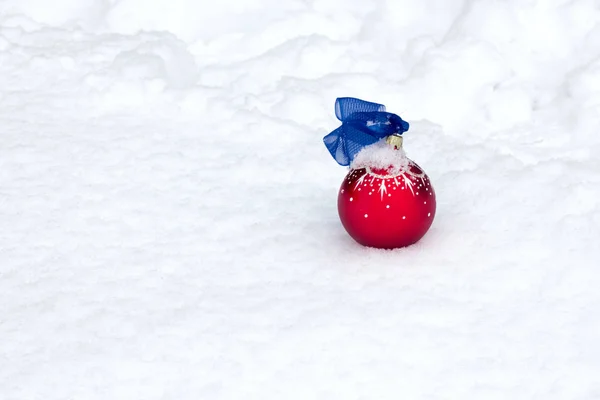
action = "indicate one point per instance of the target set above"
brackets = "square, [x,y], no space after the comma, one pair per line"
[381,158]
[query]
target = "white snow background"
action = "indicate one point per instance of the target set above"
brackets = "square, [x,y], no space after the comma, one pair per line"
[168,220]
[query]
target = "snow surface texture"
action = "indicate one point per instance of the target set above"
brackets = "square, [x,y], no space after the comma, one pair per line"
[168,221]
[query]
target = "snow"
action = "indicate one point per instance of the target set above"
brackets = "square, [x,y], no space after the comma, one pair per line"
[168,222]
[382,156]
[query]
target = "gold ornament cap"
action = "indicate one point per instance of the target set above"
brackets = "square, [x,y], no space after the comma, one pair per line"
[395,141]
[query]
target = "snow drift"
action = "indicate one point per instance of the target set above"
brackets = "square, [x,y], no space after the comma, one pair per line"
[168,225]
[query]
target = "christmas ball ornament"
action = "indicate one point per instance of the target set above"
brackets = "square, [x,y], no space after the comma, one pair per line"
[386,200]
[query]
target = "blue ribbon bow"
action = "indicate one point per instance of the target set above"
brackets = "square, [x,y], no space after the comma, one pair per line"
[363,123]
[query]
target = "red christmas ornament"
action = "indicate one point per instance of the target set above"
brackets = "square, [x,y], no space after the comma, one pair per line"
[387,207]
[386,200]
